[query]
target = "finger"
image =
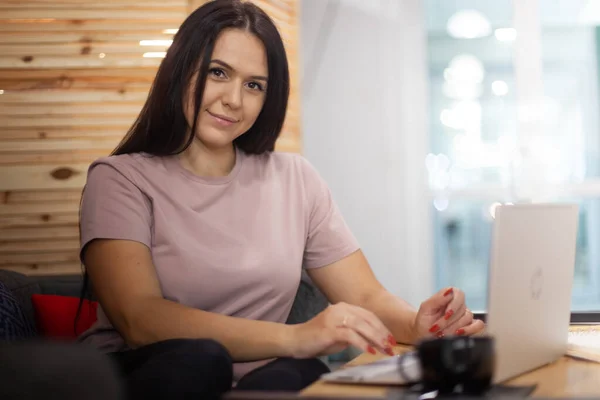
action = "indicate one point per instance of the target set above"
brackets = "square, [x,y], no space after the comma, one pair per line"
[356,322]
[457,301]
[350,337]
[455,315]
[456,328]
[458,319]
[474,328]
[344,311]
[386,336]
[439,300]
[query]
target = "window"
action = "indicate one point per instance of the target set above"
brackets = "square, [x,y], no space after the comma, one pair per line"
[512,85]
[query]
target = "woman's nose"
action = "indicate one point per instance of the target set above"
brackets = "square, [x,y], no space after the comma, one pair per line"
[232,95]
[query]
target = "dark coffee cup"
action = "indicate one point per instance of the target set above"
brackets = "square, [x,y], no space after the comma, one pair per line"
[457,364]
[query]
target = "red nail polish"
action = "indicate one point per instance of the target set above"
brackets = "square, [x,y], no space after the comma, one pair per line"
[460,331]
[434,328]
[440,334]
[449,314]
[370,349]
[389,351]
[448,292]
[391,340]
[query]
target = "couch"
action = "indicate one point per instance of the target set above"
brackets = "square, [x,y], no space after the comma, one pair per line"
[34,293]
[48,363]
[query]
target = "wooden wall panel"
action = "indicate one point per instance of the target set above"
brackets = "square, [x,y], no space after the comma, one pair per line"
[73,77]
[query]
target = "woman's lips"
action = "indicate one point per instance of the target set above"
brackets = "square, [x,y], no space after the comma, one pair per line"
[222,119]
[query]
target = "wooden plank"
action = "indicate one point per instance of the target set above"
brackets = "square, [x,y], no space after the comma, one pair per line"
[69,96]
[291,144]
[145,8]
[44,25]
[110,49]
[45,246]
[284,5]
[45,269]
[73,132]
[275,12]
[69,256]
[41,196]
[114,13]
[39,208]
[92,61]
[34,177]
[194,4]
[39,233]
[92,121]
[24,86]
[127,75]
[89,37]
[71,84]
[38,220]
[291,138]
[58,145]
[43,110]
[90,4]
[80,157]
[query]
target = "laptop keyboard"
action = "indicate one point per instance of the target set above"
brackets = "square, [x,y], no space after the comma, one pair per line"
[385,370]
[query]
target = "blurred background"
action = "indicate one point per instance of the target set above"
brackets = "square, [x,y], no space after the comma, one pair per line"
[511,119]
[422,115]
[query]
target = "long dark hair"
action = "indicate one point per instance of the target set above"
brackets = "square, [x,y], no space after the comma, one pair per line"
[161,128]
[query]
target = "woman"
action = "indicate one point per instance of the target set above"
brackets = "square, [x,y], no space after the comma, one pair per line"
[194,233]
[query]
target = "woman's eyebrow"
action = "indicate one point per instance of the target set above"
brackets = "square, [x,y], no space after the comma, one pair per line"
[224,64]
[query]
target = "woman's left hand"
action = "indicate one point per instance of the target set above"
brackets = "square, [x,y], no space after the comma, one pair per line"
[446,313]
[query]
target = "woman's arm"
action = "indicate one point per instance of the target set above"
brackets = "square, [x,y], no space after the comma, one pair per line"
[123,279]
[351,280]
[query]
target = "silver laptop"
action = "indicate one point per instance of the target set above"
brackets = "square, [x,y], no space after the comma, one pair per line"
[530,284]
[529,296]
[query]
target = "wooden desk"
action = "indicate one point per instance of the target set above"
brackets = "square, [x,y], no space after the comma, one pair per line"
[567,377]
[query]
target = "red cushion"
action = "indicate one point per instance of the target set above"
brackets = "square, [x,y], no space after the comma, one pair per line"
[55,315]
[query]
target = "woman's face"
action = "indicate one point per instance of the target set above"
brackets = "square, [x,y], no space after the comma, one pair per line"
[235,89]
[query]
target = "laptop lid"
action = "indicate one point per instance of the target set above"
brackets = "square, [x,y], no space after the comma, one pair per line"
[530,280]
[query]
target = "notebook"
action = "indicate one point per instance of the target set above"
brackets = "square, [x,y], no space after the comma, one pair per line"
[584,343]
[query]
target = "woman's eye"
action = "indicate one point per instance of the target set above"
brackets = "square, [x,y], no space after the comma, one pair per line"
[255,86]
[217,72]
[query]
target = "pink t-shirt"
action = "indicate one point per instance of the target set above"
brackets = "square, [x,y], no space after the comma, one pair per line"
[233,245]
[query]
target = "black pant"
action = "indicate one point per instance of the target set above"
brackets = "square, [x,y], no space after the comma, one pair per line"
[203,369]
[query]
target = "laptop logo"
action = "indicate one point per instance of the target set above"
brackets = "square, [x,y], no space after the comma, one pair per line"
[536,284]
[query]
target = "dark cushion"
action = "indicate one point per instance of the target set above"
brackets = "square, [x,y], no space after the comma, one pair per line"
[309,301]
[14,324]
[23,287]
[62,285]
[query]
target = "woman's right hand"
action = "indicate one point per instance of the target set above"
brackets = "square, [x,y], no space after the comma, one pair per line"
[338,327]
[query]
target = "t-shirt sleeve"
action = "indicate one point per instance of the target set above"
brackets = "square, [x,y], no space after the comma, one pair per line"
[113,207]
[329,237]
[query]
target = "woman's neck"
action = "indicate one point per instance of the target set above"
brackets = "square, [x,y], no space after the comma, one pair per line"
[206,162]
